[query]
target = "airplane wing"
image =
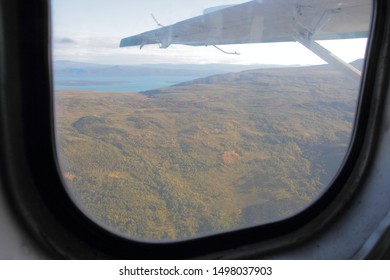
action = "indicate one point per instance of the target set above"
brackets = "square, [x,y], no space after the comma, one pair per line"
[263,21]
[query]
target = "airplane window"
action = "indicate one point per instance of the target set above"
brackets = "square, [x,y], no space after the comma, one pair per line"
[181,119]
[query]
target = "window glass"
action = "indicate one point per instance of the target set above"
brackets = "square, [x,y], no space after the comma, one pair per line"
[180,119]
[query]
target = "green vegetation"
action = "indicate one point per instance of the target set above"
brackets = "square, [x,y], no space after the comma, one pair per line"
[211,155]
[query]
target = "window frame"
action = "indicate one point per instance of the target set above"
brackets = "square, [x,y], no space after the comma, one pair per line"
[30,168]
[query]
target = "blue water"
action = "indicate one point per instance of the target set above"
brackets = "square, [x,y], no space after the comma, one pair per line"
[118,84]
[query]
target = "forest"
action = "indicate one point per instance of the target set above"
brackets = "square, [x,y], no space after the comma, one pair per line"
[211,155]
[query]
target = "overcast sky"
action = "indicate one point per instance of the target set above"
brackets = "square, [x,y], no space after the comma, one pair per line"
[90,31]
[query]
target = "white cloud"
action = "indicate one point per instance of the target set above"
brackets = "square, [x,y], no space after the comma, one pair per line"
[101,49]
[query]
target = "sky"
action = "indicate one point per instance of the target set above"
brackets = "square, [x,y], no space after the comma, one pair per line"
[90,31]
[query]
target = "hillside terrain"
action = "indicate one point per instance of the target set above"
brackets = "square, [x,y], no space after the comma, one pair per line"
[210,155]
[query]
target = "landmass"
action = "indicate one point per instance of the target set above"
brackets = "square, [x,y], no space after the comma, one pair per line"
[215,154]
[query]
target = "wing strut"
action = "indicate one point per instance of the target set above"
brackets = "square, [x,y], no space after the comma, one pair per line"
[332,59]
[304,36]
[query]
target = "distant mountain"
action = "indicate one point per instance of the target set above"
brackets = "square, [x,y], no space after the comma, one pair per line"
[358,64]
[72,68]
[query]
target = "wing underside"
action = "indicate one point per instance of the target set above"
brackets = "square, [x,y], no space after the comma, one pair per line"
[265,21]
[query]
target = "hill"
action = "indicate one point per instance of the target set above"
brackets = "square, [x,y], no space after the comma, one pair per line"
[263,77]
[211,155]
